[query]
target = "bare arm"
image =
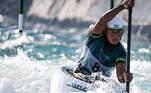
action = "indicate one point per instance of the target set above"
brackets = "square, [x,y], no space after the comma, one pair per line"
[121,73]
[99,27]
[120,69]
[101,24]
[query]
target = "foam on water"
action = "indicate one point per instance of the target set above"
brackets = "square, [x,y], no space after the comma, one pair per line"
[21,74]
[20,40]
[26,74]
[6,86]
[144,50]
[39,54]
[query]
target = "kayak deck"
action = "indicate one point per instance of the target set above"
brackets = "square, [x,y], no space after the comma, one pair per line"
[86,78]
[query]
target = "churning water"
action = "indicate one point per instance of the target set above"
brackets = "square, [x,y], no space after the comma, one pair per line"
[28,60]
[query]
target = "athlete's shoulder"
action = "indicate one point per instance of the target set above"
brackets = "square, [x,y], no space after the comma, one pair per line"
[94,39]
[122,50]
[121,47]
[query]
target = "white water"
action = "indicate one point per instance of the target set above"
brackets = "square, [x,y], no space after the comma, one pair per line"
[21,72]
[22,75]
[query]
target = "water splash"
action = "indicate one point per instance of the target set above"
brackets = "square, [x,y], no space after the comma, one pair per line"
[28,61]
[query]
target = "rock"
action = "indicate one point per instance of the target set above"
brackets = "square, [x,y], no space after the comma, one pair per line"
[73,13]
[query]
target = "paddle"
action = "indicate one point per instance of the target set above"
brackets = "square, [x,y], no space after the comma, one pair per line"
[129,46]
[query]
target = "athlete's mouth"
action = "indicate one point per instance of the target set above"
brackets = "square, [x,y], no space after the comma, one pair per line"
[115,40]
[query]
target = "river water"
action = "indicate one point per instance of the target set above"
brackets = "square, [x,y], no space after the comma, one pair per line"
[28,60]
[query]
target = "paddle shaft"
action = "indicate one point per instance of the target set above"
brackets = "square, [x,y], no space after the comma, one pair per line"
[129,45]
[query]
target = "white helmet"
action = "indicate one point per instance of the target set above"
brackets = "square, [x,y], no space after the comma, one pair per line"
[116,23]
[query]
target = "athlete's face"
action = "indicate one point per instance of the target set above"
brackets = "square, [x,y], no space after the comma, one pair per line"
[114,36]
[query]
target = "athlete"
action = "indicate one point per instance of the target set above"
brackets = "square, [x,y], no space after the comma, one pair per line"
[103,50]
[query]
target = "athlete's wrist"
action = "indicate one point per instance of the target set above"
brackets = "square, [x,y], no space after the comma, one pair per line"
[121,6]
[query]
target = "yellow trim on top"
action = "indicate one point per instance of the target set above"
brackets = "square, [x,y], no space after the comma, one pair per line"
[94,36]
[120,59]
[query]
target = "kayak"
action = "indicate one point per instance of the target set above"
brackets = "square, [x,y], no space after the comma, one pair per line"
[65,80]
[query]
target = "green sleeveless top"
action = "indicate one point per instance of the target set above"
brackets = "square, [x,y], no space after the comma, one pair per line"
[100,56]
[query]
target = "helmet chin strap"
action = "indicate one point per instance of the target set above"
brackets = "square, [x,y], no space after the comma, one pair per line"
[122,34]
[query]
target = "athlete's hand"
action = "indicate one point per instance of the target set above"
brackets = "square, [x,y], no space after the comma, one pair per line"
[128,77]
[122,75]
[125,77]
[128,3]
